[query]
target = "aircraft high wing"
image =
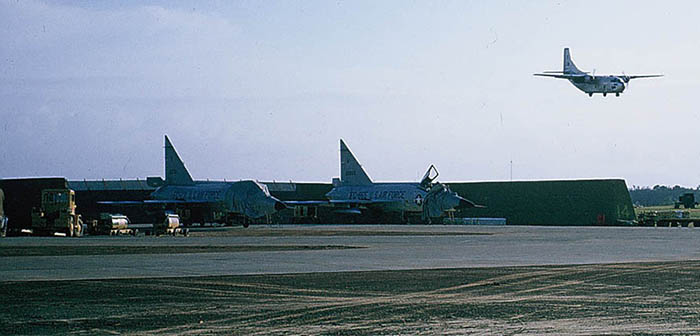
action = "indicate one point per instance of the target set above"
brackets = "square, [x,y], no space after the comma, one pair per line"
[627,78]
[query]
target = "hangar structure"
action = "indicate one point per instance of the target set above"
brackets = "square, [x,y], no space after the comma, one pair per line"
[603,202]
[558,202]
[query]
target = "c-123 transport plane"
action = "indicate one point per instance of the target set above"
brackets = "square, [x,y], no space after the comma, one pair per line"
[590,83]
[355,194]
[205,201]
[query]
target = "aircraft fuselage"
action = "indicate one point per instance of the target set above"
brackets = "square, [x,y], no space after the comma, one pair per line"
[400,197]
[244,197]
[599,84]
[199,192]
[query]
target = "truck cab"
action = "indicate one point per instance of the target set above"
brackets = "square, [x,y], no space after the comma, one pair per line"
[57,214]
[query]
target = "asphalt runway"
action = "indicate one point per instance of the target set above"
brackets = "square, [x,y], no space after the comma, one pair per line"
[381,247]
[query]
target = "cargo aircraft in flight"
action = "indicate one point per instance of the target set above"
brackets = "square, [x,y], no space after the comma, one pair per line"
[206,201]
[592,83]
[355,193]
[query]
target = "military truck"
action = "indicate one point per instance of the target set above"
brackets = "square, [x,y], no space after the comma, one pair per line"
[3,219]
[670,218]
[687,200]
[57,215]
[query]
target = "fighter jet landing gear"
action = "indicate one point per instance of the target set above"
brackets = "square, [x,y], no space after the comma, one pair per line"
[617,94]
[590,94]
[605,94]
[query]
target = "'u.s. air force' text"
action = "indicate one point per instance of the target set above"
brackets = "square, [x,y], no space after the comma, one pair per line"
[385,195]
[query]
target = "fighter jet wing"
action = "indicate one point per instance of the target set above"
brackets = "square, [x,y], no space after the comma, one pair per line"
[331,202]
[179,202]
[362,201]
[306,202]
[120,202]
[146,202]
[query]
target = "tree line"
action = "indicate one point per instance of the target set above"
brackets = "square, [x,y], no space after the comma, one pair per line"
[659,194]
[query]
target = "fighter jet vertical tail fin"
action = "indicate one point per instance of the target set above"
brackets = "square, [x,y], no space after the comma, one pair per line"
[351,172]
[175,171]
[569,66]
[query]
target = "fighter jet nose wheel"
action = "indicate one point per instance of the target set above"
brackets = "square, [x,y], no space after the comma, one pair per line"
[605,94]
[590,95]
[617,94]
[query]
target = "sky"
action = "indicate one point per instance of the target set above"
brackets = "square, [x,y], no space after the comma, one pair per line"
[265,89]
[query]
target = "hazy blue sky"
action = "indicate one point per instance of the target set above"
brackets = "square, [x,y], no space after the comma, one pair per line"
[264,89]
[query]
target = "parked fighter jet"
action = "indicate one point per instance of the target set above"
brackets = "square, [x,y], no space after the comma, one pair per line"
[590,83]
[227,199]
[355,193]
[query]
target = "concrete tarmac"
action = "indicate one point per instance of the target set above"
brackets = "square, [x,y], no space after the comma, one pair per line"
[423,247]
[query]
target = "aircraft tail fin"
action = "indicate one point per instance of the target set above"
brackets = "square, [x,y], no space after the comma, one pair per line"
[569,66]
[175,171]
[351,172]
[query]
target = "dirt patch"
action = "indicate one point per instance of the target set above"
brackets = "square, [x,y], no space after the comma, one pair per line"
[638,298]
[65,250]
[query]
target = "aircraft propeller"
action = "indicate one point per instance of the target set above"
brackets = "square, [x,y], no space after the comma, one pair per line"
[625,79]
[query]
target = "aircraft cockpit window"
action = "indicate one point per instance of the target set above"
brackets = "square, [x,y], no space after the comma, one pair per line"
[429,176]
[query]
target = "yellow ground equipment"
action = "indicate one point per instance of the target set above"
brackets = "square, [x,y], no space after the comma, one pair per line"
[57,214]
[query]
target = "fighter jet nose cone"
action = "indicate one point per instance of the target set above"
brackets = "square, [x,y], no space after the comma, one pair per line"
[279,206]
[463,203]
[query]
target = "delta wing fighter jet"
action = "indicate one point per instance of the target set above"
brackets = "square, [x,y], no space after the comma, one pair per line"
[208,201]
[355,193]
[590,83]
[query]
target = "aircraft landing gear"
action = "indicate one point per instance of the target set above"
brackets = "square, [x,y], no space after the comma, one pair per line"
[617,94]
[590,94]
[605,94]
